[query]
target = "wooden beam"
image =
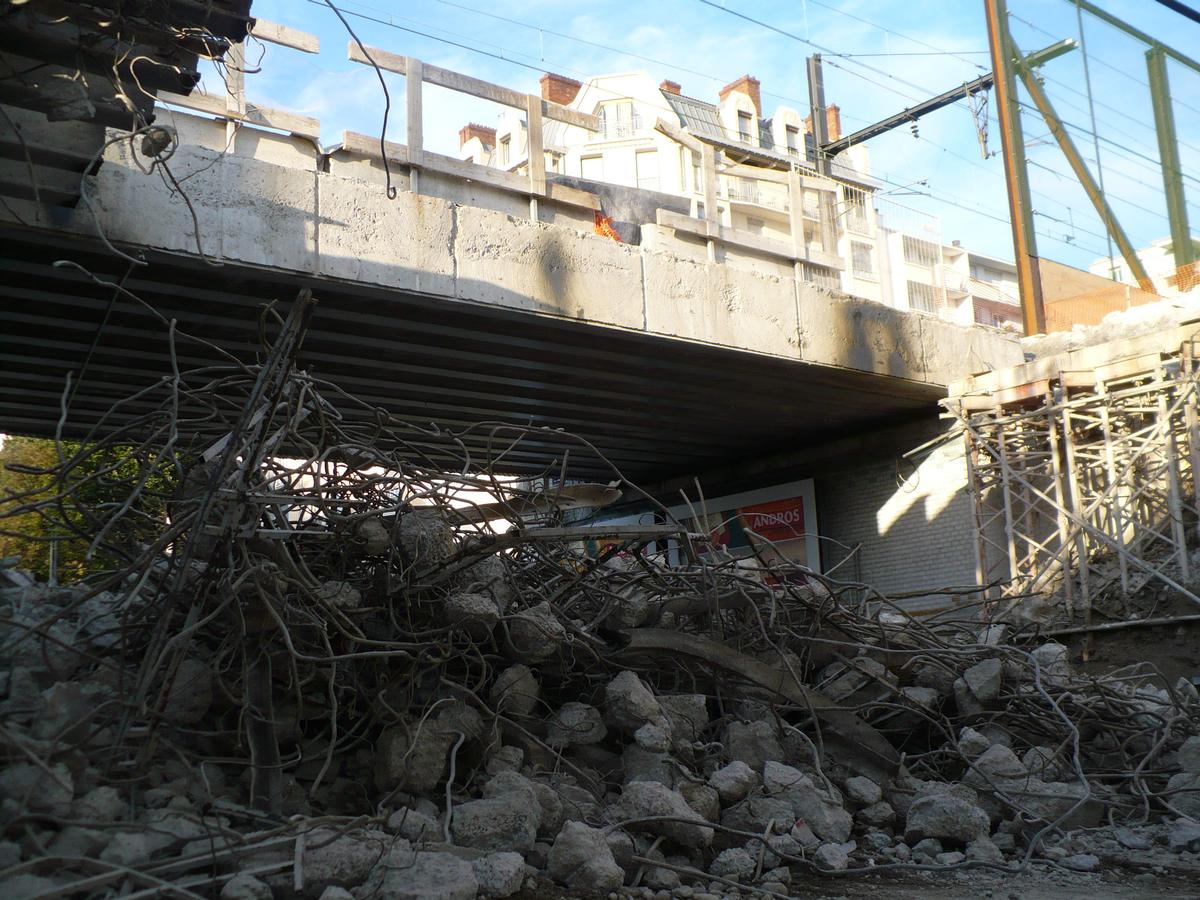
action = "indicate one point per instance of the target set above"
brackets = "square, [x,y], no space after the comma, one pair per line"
[677,134]
[738,238]
[285,36]
[465,84]
[536,151]
[354,142]
[414,117]
[263,116]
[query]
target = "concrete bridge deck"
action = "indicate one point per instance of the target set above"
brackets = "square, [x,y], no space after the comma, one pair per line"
[452,306]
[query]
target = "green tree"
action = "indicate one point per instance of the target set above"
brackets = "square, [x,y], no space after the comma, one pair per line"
[92,490]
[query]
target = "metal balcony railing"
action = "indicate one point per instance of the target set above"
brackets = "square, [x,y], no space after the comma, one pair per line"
[954,281]
[614,130]
[748,190]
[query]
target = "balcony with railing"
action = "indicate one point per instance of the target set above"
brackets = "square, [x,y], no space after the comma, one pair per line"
[753,191]
[955,282]
[613,128]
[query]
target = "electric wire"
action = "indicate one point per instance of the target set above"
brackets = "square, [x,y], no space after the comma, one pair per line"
[796,37]
[936,197]
[906,37]
[1123,72]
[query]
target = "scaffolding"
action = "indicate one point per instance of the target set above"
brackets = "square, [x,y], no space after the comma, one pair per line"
[1082,473]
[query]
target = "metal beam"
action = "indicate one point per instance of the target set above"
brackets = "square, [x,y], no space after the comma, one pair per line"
[1079,167]
[1016,176]
[1172,172]
[820,124]
[1136,33]
[912,113]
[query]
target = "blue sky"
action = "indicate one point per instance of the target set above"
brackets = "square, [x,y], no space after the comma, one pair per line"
[940,172]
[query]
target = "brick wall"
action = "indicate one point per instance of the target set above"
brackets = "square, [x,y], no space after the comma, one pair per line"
[915,525]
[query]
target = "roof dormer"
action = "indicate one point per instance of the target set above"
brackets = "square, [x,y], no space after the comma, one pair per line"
[740,109]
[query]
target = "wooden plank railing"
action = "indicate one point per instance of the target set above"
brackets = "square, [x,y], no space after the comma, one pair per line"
[233,106]
[534,183]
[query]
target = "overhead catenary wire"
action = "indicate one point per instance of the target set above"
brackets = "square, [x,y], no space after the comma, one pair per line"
[507,56]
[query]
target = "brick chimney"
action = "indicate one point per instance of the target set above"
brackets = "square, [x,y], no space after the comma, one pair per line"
[833,122]
[670,87]
[747,85]
[487,136]
[559,88]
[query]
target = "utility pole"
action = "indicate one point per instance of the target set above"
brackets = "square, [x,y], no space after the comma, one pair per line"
[820,124]
[1016,176]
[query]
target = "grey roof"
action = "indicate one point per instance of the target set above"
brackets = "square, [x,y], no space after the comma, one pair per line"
[697,116]
[766,140]
[700,118]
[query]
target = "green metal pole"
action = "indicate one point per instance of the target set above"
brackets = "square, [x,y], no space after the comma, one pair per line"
[1181,58]
[1079,167]
[1172,172]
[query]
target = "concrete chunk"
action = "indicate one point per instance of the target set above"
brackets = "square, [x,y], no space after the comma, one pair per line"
[582,860]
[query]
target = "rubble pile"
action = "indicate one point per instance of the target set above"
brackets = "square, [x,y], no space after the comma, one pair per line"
[335,674]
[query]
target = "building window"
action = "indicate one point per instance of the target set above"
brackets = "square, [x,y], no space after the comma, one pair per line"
[745,124]
[983,273]
[591,168]
[919,252]
[862,259]
[855,210]
[827,278]
[505,146]
[618,119]
[646,167]
[920,296]
[792,134]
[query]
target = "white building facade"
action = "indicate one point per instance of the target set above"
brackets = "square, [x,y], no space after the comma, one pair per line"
[1158,259]
[899,260]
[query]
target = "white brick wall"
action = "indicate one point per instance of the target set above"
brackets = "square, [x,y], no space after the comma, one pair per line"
[916,526]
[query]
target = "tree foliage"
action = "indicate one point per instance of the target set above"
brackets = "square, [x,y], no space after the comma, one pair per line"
[65,501]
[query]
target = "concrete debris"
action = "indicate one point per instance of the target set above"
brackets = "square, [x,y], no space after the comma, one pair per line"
[650,806]
[507,822]
[832,856]
[575,723]
[983,679]
[515,691]
[736,862]
[499,874]
[404,875]
[629,704]
[582,859]
[246,887]
[421,707]
[734,781]
[946,813]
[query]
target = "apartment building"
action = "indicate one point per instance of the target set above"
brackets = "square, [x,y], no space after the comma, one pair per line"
[1158,259]
[921,270]
[881,255]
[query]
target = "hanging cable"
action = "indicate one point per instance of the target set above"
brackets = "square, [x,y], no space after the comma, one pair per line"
[387,102]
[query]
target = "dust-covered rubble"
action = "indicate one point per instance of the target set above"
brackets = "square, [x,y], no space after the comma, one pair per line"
[359,695]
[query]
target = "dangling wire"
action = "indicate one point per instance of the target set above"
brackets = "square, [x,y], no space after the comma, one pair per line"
[387,101]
